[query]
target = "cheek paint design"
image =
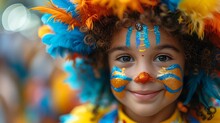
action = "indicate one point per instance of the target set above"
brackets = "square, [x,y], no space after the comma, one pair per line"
[172,78]
[118,81]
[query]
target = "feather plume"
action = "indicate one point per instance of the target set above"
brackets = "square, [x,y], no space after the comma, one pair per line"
[90,12]
[198,11]
[213,29]
[65,4]
[192,85]
[63,41]
[205,86]
[171,4]
[119,6]
[213,25]
[85,82]
[43,30]
[59,14]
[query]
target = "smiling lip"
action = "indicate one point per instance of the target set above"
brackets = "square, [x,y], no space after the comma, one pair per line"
[145,95]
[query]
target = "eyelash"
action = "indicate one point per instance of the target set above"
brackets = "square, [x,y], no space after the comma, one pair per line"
[168,58]
[131,59]
[120,58]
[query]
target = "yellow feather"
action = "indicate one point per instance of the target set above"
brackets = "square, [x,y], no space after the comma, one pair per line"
[43,30]
[198,11]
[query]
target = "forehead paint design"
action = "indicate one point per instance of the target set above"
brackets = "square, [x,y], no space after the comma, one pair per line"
[128,37]
[157,34]
[142,36]
[142,39]
[118,81]
[172,78]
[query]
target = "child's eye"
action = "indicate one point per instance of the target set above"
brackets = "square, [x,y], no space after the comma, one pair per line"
[125,59]
[162,58]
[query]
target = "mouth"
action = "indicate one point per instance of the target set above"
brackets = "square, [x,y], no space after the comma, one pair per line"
[145,95]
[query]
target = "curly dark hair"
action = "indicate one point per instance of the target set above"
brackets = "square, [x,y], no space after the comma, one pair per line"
[200,53]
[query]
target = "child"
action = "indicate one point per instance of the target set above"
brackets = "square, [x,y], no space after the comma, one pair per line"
[162,58]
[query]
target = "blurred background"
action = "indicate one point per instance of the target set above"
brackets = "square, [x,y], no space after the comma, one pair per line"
[31,82]
[32,87]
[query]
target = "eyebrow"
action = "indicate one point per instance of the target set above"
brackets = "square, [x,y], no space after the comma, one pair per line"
[122,48]
[161,47]
[167,46]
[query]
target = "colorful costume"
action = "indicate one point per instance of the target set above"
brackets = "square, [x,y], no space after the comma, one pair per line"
[83,114]
[67,30]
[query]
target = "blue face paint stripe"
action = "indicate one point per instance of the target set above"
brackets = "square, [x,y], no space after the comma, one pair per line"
[171,90]
[115,68]
[128,36]
[157,34]
[121,77]
[169,75]
[174,66]
[138,39]
[120,89]
[146,39]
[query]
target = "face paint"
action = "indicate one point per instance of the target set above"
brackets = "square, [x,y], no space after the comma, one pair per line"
[142,40]
[142,48]
[146,39]
[172,78]
[143,78]
[128,37]
[157,34]
[118,81]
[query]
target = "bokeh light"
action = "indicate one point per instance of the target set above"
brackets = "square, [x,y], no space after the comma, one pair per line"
[15,17]
[18,18]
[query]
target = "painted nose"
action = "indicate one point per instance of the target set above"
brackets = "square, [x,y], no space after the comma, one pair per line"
[143,78]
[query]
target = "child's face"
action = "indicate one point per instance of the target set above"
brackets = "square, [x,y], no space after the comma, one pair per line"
[146,80]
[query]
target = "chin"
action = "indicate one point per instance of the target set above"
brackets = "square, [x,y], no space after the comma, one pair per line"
[145,110]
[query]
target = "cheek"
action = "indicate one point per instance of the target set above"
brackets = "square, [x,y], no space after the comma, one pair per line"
[118,81]
[172,78]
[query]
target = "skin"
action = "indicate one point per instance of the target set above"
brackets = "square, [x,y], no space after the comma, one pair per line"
[157,106]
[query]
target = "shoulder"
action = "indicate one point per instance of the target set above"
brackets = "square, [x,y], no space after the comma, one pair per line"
[84,114]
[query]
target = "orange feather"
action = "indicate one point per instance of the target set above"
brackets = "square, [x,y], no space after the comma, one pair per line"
[59,14]
[121,6]
[90,12]
[213,29]
[213,24]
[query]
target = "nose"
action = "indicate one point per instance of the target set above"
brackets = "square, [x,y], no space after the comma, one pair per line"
[143,78]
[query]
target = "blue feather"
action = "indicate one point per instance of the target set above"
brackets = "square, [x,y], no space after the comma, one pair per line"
[208,88]
[64,41]
[67,5]
[81,77]
[192,85]
[67,118]
[171,4]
